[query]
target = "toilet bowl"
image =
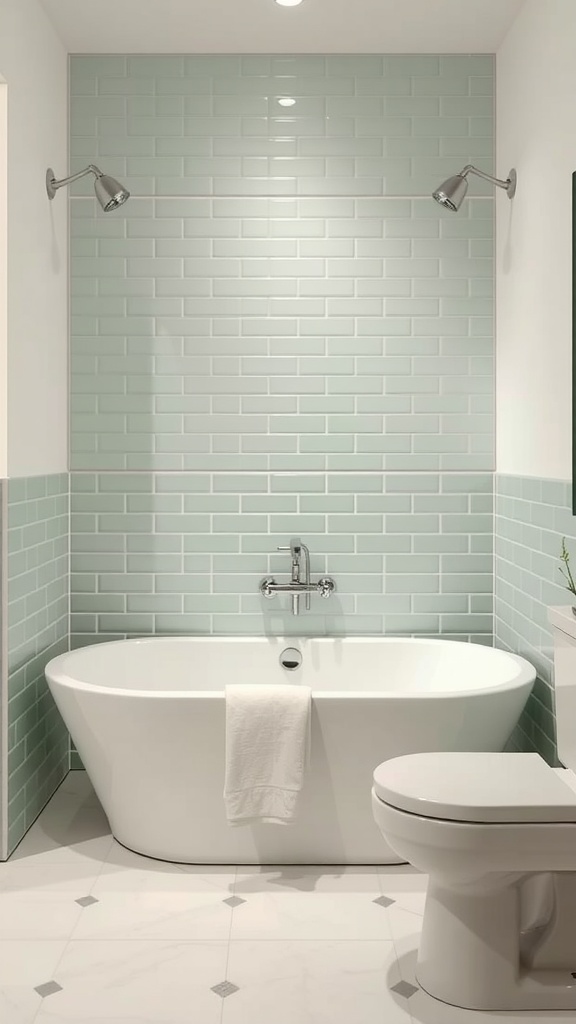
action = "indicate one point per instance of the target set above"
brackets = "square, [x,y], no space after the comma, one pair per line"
[496,833]
[481,825]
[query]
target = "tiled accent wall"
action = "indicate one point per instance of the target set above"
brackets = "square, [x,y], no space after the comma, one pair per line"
[366,345]
[212,125]
[532,517]
[282,334]
[183,553]
[38,587]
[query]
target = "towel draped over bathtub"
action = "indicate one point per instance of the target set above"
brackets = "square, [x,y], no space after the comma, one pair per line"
[267,746]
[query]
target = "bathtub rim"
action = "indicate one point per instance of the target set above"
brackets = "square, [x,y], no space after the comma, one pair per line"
[525,675]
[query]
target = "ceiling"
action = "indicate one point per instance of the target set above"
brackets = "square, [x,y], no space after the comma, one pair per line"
[261,26]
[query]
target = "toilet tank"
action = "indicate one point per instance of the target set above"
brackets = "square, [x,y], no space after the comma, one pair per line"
[563,623]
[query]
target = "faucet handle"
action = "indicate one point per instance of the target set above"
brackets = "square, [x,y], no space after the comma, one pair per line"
[288,548]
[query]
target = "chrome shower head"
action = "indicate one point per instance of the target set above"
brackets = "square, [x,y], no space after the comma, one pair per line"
[452,192]
[109,192]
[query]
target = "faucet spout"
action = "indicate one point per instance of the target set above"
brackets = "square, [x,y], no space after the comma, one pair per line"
[295,553]
[300,558]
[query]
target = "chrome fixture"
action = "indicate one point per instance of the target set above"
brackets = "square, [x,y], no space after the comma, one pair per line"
[291,659]
[452,192]
[300,556]
[109,192]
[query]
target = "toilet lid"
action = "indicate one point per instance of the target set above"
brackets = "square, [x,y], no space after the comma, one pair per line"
[476,787]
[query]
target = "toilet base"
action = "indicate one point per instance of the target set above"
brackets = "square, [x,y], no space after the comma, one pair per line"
[472,952]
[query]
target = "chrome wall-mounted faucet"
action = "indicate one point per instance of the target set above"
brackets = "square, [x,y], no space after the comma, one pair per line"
[300,557]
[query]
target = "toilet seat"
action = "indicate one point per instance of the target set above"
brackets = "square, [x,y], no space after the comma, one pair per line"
[477,787]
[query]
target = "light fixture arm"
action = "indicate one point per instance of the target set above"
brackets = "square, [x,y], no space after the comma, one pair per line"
[509,185]
[52,184]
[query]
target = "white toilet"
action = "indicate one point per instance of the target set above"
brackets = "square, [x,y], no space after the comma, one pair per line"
[496,833]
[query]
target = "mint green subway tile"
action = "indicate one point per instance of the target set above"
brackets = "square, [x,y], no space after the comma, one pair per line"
[354,483]
[182,583]
[326,503]
[467,563]
[443,604]
[83,583]
[370,424]
[235,583]
[383,503]
[344,624]
[118,582]
[124,623]
[95,603]
[467,482]
[406,482]
[412,563]
[476,523]
[481,542]
[442,503]
[481,503]
[329,215]
[295,484]
[382,404]
[385,543]
[412,583]
[466,583]
[355,524]
[416,523]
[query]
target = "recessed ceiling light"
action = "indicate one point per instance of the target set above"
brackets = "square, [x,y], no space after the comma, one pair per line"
[288,3]
[286,101]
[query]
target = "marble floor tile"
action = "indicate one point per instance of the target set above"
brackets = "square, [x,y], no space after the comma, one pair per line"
[149,914]
[18,1005]
[76,877]
[137,983]
[72,823]
[23,965]
[62,837]
[37,914]
[311,982]
[303,878]
[316,915]
[125,871]
[77,786]
[404,924]
[28,962]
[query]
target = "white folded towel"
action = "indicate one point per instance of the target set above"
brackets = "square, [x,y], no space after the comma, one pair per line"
[267,741]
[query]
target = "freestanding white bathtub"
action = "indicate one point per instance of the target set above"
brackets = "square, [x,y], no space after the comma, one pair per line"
[148,719]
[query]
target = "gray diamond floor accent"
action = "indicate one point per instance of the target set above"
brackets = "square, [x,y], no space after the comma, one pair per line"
[234,901]
[225,988]
[384,901]
[48,989]
[404,988]
[87,901]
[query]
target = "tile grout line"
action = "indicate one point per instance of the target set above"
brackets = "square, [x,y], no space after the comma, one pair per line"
[229,943]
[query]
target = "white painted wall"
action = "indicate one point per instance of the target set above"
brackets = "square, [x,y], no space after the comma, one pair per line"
[261,26]
[536,111]
[33,63]
[3,279]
